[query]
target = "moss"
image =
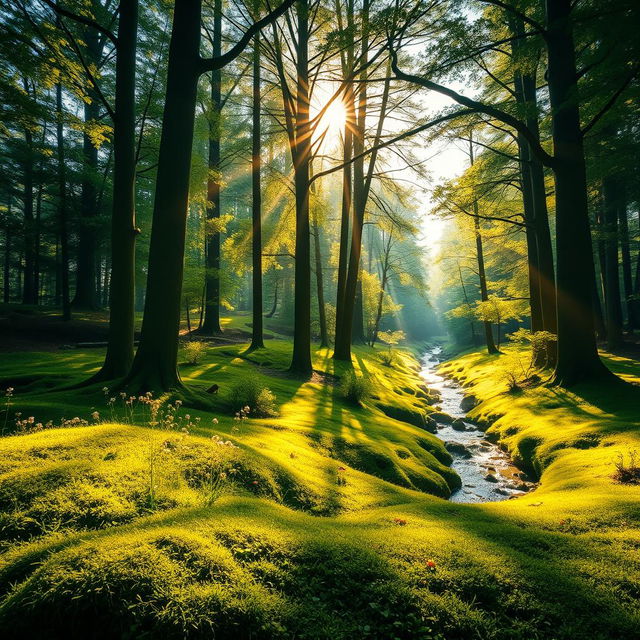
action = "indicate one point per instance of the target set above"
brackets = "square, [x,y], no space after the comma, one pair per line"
[96,559]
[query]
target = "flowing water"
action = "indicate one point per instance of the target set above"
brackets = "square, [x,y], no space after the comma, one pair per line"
[487,472]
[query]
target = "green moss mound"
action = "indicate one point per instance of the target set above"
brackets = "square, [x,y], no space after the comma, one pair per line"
[324,522]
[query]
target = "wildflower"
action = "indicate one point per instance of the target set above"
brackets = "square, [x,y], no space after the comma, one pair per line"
[215,420]
[105,390]
[9,392]
[187,417]
[178,403]
[95,415]
[341,469]
[247,409]
[31,420]
[255,482]
[431,565]
[400,522]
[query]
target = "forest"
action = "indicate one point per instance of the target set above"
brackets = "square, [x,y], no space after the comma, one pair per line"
[320,319]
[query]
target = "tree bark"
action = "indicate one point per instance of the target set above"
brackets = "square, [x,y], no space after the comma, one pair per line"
[62,209]
[257,340]
[613,303]
[119,354]
[578,358]
[633,322]
[155,364]
[29,292]
[322,315]
[275,300]
[301,359]
[541,265]
[85,297]
[6,275]
[484,293]
[212,278]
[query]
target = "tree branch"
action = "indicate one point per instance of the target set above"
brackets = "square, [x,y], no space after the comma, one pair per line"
[209,64]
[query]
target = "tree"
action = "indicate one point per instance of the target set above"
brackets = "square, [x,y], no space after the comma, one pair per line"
[155,364]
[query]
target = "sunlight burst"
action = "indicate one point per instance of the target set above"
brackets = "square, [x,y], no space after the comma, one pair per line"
[331,126]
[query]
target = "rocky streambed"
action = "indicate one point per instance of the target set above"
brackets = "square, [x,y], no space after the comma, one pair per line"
[487,472]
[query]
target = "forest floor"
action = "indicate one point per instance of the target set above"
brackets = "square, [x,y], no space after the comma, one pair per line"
[325,521]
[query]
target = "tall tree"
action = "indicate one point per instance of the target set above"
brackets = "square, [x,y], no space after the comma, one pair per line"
[155,364]
[212,278]
[257,341]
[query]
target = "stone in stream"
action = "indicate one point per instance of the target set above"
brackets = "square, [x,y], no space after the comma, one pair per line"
[490,478]
[457,448]
[468,402]
[430,424]
[459,425]
[442,417]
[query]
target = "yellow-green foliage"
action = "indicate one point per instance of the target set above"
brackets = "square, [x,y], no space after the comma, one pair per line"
[317,524]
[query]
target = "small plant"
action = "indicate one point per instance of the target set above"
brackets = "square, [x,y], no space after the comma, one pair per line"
[355,388]
[543,345]
[627,473]
[8,394]
[253,396]
[389,358]
[194,351]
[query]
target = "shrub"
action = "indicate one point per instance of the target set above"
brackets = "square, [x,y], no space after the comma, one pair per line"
[627,473]
[388,358]
[194,351]
[355,388]
[249,392]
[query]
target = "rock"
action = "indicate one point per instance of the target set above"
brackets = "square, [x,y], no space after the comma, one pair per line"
[501,491]
[468,402]
[490,478]
[457,448]
[430,424]
[442,417]
[459,425]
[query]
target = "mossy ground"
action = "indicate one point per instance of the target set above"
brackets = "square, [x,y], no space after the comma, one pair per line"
[326,520]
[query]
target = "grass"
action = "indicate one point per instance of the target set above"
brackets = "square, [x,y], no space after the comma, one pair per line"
[322,522]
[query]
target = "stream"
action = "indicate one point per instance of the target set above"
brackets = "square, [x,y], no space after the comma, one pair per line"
[487,472]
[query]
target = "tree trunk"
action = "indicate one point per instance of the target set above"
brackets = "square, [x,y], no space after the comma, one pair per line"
[633,322]
[62,209]
[155,363]
[636,286]
[383,284]
[345,213]
[301,359]
[484,294]
[535,204]
[123,221]
[212,277]
[578,359]
[351,314]
[29,292]
[257,341]
[275,300]
[613,303]
[6,272]
[85,297]
[322,315]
